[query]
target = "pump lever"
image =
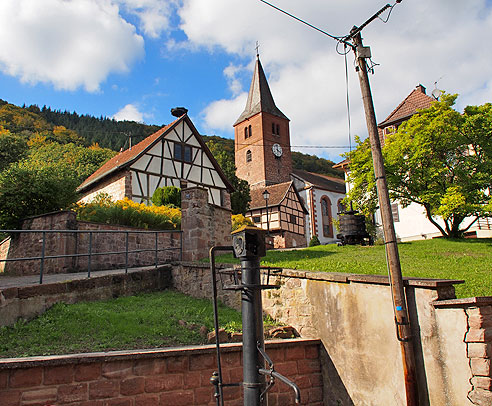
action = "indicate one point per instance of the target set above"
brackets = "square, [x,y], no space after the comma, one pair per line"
[273,374]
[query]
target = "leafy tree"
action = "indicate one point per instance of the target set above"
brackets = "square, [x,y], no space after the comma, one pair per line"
[12,148]
[440,159]
[167,196]
[240,198]
[26,190]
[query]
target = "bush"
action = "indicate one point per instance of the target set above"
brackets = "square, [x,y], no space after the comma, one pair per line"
[128,213]
[314,241]
[167,196]
[238,221]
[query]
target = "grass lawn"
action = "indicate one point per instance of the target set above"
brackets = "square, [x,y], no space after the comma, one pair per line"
[143,321]
[469,260]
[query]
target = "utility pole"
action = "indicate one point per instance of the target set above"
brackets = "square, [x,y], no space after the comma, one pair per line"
[402,320]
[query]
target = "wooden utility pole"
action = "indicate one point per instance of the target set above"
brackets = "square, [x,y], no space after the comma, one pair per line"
[402,320]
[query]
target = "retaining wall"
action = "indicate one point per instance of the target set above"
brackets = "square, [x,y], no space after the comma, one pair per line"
[353,316]
[30,301]
[167,377]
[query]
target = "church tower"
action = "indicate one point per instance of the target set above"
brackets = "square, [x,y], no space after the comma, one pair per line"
[262,139]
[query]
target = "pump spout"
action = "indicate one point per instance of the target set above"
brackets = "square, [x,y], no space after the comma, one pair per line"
[274,374]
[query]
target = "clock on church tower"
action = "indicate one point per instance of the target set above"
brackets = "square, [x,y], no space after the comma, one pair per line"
[262,139]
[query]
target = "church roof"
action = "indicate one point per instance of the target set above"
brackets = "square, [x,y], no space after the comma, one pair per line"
[260,98]
[129,156]
[321,181]
[416,100]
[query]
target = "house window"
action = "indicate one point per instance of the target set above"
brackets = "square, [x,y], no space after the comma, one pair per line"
[256,219]
[326,217]
[340,206]
[395,212]
[293,219]
[248,156]
[182,152]
[245,132]
[249,131]
[391,129]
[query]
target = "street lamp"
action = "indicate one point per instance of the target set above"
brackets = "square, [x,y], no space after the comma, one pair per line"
[266,196]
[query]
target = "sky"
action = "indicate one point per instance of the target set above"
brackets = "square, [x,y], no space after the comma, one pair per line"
[137,59]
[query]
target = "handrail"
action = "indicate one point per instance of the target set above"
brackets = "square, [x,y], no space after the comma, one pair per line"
[90,254]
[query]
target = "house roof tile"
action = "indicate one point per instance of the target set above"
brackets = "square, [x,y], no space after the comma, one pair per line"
[322,181]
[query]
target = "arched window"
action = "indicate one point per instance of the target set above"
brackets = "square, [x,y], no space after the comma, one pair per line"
[245,132]
[248,156]
[250,133]
[278,129]
[326,217]
[340,206]
[273,128]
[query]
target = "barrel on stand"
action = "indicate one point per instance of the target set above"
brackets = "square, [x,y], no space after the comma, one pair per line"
[353,229]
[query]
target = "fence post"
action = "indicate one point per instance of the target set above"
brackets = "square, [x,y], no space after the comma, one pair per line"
[156,239]
[126,251]
[90,256]
[41,266]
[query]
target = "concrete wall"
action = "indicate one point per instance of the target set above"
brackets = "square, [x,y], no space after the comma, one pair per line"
[167,377]
[353,316]
[29,301]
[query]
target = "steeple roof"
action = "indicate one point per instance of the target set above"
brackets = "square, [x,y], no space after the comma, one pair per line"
[260,98]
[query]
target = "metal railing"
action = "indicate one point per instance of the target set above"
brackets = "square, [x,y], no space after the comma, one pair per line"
[90,252]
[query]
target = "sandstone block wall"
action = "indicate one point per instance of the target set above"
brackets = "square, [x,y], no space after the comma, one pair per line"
[203,225]
[118,186]
[167,377]
[27,245]
[29,301]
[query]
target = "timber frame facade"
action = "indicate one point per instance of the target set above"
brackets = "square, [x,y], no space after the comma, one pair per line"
[176,155]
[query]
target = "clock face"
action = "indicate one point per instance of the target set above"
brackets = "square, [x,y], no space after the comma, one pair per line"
[277,150]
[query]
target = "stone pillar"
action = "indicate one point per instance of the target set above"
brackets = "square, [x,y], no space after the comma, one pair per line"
[203,225]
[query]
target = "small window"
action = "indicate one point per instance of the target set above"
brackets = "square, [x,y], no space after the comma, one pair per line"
[245,132]
[395,213]
[278,129]
[187,153]
[249,131]
[273,128]
[178,151]
[256,219]
[182,152]
[248,156]
[293,219]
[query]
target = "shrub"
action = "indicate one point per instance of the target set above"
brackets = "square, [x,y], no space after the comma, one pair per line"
[314,241]
[167,196]
[238,220]
[128,213]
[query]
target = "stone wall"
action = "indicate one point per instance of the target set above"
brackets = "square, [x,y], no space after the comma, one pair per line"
[203,225]
[27,245]
[170,377]
[353,316]
[29,301]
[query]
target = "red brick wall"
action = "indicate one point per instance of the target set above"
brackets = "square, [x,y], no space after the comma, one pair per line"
[168,377]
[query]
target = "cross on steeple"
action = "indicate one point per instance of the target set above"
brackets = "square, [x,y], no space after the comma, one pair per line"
[257,46]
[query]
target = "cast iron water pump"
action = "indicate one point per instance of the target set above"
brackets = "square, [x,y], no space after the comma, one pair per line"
[248,246]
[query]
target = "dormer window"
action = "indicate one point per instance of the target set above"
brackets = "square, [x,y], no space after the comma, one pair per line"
[248,156]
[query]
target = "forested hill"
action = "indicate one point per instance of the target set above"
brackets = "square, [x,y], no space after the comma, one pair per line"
[109,133]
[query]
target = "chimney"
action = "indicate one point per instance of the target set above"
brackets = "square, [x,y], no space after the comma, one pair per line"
[421,88]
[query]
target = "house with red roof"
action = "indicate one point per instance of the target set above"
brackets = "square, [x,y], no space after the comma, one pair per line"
[175,155]
[411,222]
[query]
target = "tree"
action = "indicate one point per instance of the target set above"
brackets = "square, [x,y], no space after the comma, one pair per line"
[440,159]
[167,196]
[240,198]
[12,148]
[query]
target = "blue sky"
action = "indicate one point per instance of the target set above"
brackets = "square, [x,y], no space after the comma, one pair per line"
[136,59]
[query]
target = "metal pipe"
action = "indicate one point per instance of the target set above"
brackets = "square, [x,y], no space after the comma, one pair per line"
[274,374]
[41,266]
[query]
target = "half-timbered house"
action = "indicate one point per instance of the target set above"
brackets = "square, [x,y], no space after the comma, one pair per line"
[282,214]
[176,155]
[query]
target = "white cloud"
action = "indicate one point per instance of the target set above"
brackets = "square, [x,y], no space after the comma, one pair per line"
[69,44]
[129,113]
[422,42]
[154,15]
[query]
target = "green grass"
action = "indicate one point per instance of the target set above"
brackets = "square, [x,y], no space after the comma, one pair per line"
[469,260]
[142,321]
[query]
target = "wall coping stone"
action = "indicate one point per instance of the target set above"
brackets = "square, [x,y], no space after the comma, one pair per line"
[427,283]
[111,356]
[464,302]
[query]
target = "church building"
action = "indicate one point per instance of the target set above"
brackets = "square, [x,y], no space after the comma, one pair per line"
[263,158]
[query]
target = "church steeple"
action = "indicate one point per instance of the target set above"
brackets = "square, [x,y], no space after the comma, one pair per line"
[262,140]
[260,97]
